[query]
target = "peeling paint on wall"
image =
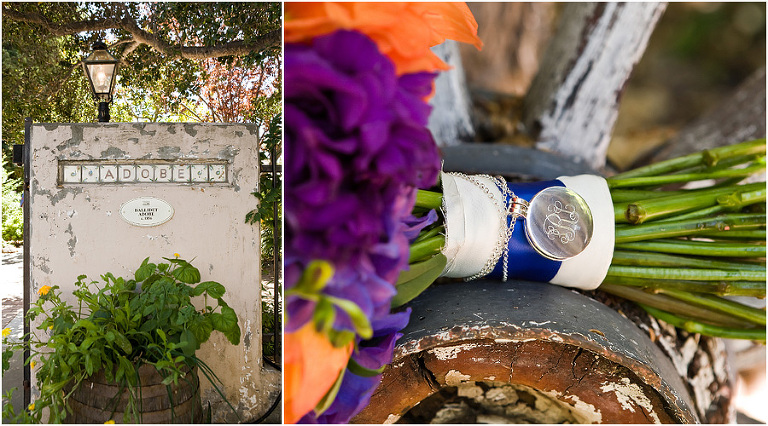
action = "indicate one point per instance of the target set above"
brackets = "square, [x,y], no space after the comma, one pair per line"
[113,153]
[72,241]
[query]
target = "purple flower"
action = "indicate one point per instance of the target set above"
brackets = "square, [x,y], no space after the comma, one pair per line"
[357,147]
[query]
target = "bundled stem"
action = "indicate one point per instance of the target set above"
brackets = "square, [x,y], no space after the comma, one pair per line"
[689,227]
[680,280]
[719,288]
[679,251]
[725,199]
[708,157]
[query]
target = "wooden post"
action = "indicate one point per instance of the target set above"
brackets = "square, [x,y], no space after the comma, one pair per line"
[572,104]
[451,120]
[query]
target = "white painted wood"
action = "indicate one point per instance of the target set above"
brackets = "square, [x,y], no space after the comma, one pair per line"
[572,104]
[451,118]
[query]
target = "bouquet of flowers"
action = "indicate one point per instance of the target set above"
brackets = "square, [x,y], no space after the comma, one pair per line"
[371,221]
[676,252]
[357,80]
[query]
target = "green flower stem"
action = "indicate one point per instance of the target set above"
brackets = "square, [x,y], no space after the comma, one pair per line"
[689,227]
[754,234]
[727,163]
[728,182]
[637,258]
[667,303]
[697,248]
[709,157]
[697,327]
[640,211]
[620,213]
[719,288]
[630,195]
[684,177]
[423,235]
[698,214]
[426,248]
[732,202]
[652,273]
[428,199]
[719,304]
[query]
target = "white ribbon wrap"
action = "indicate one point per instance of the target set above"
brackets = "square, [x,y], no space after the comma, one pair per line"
[472,223]
[587,269]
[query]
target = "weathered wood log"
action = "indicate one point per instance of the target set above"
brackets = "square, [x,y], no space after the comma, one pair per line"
[522,351]
[738,118]
[451,119]
[572,104]
[514,37]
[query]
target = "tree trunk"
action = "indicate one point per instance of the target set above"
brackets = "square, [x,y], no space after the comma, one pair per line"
[514,38]
[451,118]
[572,104]
[739,118]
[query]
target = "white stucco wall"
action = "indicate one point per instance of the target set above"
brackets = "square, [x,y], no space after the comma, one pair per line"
[77,228]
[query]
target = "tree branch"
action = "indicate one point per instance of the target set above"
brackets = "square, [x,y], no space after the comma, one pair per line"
[234,48]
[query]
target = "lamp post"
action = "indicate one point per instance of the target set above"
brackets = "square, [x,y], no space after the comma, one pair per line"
[101,69]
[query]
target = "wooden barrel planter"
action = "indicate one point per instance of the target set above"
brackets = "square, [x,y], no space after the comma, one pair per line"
[492,352]
[97,401]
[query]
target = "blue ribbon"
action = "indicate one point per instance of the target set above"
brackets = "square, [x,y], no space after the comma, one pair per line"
[525,262]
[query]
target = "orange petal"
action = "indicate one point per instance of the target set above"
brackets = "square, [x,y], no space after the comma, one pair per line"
[403,31]
[312,365]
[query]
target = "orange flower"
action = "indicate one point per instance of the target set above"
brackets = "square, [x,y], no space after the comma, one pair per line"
[403,31]
[312,365]
[44,290]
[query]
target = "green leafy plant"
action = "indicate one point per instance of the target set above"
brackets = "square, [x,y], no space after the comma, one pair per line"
[121,325]
[13,217]
[269,193]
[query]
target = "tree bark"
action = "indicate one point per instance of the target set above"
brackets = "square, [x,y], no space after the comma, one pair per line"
[572,104]
[739,118]
[451,119]
[514,38]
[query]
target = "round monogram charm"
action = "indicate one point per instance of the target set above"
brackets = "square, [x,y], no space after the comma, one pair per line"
[558,223]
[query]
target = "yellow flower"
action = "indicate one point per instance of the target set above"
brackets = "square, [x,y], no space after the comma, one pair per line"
[109,422]
[50,327]
[31,406]
[44,290]
[32,364]
[6,332]
[176,255]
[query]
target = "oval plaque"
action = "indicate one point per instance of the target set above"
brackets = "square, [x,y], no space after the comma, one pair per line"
[559,223]
[146,211]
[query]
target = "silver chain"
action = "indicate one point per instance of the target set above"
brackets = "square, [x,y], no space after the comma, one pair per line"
[511,205]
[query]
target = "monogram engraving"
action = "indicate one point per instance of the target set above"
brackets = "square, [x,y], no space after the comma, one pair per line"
[561,222]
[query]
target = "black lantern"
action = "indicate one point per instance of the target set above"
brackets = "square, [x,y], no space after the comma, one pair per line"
[101,69]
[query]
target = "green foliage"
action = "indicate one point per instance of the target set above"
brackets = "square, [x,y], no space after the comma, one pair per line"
[43,44]
[122,325]
[268,193]
[417,278]
[13,217]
